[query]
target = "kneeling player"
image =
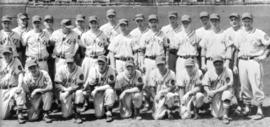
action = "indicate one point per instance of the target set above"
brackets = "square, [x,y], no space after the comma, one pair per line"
[190,87]
[130,83]
[218,84]
[101,83]
[69,81]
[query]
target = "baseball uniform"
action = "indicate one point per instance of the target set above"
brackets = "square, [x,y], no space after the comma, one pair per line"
[110,30]
[202,32]
[65,45]
[69,79]
[214,81]
[166,100]
[31,83]
[95,44]
[130,100]
[10,39]
[102,98]
[36,47]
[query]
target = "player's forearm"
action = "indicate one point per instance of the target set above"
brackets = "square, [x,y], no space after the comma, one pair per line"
[235,57]
[181,92]
[112,59]
[132,90]
[102,88]
[195,90]
[221,89]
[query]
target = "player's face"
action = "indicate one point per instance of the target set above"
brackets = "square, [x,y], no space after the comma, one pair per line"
[130,70]
[173,20]
[36,24]
[71,66]
[234,21]
[247,23]
[33,70]
[93,25]
[186,24]
[218,65]
[139,23]
[7,57]
[23,22]
[6,24]
[205,21]
[65,30]
[123,27]
[48,23]
[153,23]
[161,67]
[101,66]
[111,18]
[79,23]
[214,23]
[189,69]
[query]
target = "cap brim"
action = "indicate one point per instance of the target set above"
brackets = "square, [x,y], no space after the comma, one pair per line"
[69,26]
[138,19]
[111,14]
[152,19]
[31,65]
[172,16]
[80,19]
[23,17]
[160,62]
[246,17]
[92,20]
[6,20]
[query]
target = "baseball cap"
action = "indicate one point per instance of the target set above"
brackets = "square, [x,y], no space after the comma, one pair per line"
[139,17]
[22,16]
[80,17]
[247,15]
[36,18]
[6,18]
[31,62]
[67,23]
[152,17]
[102,59]
[190,62]
[214,16]
[7,50]
[111,12]
[217,59]
[204,14]
[130,63]
[48,17]
[234,15]
[186,18]
[93,18]
[123,21]
[160,60]
[70,60]
[173,14]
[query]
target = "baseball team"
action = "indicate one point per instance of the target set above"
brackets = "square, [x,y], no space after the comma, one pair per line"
[173,71]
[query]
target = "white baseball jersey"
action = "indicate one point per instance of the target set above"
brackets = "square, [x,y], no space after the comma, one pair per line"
[95,44]
[189,82]
[162,82]
[215,81]
[100,79]
[68,79]
[136,34]
[65,44]
[21,31]
[49,32]
[215,44]
[36,44]
[126,82]
[201,32]
[42,81]
[109,30]
[10,72]
[251,43]
[10,39]
[122,46]
[187,43]
[79,31]
[170,33]
[154,43]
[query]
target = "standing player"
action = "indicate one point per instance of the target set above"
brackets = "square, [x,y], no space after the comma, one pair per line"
[101,85]
[190,90]
[36,42]
[95,42]
[48,24]
[80,24]
[66,43]
[206,26]
[214,44]
[170,32]
[37,86]
[163,80]
[218,87]
[111,29]
[121,47]
[130,83]
[252,48]
[11,95]
[137,34]
[69,83]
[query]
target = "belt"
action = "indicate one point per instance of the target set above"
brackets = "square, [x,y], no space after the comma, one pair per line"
[187,57]
[7,87]
[247,57]
[39,59]
[92,56]
[61,56]
[209,58]
[124,58]
[151,57]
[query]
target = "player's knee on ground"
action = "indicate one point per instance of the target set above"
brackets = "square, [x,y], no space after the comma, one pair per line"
[19,96]
[79,97]
[109,97]
[199,99]
[137,100]
[170,99]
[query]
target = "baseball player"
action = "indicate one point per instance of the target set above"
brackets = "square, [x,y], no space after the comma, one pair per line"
[111,29]
[36,42]
[37,86]
[80,24]
[170,32]
[206,26]
[214,44]
[190,90]
[69,82]
[11,95]
[163,81]
[252,48]
[217,84]
[137,34]
[48,24]
[101,86]
[66,43]
[95,42]
[122,47]
[130,83]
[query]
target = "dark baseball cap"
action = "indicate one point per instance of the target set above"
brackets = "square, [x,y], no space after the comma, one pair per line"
[22,16]
[123,21]
[139,17]
[236,15]
[247,15]
[214,16]
[48,17]
[102,59]
[173,14]
[36,18]
[80,17]
[67,23]
[217,59]
[152,17]
[93,18]
[111,12]
[6,18]
[186,18]
[204,14]
[160,60]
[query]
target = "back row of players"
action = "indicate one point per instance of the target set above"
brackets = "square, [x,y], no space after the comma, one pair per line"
[148,64]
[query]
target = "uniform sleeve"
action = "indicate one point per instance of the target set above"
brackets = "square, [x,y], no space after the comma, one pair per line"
[80,78]
[264,38]
[59,77]
[206,79]
[25,38]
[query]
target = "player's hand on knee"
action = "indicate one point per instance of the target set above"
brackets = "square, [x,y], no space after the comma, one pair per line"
[94,92]
[211,93]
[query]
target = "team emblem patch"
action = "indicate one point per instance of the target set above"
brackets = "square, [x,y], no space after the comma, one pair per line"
[140,79]
[81,77]
[228,80]
[111,77]
[20,68]
[172,82]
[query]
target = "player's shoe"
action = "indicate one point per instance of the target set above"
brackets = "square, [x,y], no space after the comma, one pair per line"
[170,115]
[246,111]
[226,120]
[137,114]
[47,118]
[109,117]
[21,119]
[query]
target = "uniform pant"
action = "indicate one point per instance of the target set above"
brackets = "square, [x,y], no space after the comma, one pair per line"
[59,62]
[35,110]
[197,100]
[162,105]
[172,61]
[102,99]
[149,65]
[210,65]
[250,73]
[131,100]
[87,64]
[10,97]
[68,100]
[120,66]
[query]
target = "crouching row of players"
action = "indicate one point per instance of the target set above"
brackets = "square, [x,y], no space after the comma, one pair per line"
[35,90]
